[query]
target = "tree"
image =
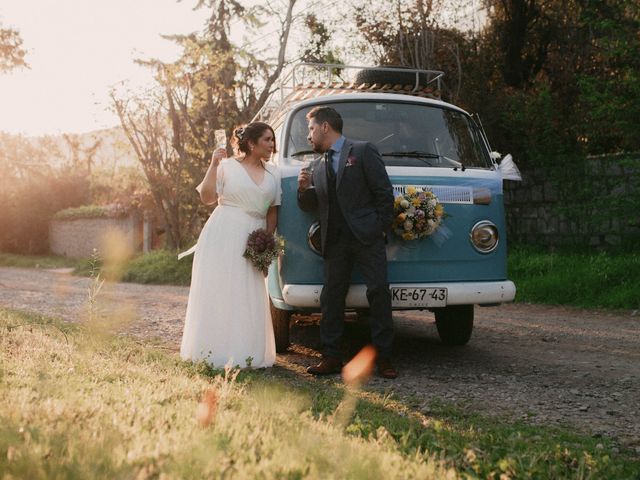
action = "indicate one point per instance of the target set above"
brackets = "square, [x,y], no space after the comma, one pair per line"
[147,127]
[214,84]
[407,34]
[11,51]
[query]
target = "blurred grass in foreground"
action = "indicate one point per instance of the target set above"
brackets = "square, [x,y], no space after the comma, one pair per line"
[77,405]
[590,280]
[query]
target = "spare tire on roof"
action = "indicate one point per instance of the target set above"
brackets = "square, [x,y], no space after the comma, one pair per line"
[383,77]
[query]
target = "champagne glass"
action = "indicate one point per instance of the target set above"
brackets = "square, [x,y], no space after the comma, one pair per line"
[221,138]
[308,168]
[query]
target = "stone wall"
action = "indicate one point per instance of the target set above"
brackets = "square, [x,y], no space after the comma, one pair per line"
[78,237]
[594,205]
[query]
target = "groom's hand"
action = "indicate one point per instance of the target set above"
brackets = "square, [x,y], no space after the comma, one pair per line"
[304,180]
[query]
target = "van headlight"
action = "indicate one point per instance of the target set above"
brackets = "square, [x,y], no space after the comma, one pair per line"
[484,236]
[314,238]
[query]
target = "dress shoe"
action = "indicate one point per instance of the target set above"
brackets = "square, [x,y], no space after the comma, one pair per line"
[327,366]
[386,368]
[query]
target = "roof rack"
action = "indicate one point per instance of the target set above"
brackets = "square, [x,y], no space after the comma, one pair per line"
[310,80]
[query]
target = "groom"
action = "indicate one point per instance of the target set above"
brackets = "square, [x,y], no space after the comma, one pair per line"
[350,191]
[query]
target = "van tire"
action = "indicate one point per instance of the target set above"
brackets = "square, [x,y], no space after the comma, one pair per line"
[454,324]
[280,320]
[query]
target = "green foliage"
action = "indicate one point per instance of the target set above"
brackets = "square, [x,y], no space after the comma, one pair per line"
[90,211]
[12,52]
[583,279]
[29,203]
[92,406]
[37,261]
[159,267]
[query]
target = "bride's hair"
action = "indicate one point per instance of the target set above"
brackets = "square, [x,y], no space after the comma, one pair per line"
[250,133]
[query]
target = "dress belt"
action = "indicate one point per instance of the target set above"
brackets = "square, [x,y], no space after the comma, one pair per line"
[250,213]
[226,205]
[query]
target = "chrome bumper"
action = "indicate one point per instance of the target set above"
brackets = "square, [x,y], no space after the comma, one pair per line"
[458,293]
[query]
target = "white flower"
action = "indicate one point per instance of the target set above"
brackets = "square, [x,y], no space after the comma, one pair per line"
[433,202]
[495,155]
[404,203]
[408,225]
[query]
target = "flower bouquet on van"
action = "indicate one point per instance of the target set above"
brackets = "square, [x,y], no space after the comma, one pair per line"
[263,248]
[417,213]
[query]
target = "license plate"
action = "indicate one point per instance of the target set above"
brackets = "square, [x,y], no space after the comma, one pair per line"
[418,297]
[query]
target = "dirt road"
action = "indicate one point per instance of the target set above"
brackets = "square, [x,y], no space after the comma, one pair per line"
[543,364]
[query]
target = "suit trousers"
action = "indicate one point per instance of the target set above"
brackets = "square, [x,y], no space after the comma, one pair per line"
[343,252]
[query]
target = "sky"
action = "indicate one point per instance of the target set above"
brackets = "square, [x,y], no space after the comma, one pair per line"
[78,49]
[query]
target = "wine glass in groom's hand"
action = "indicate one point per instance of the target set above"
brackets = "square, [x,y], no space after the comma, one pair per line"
[305,178]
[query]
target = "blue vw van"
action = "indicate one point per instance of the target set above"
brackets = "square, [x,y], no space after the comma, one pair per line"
[426,144]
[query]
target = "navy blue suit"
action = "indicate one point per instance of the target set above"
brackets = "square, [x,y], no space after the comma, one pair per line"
[355,209]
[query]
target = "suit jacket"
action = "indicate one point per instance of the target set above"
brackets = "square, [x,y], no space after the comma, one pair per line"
[364,192]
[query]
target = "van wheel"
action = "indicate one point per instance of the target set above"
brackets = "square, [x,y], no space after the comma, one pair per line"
[455,324]
[280,320]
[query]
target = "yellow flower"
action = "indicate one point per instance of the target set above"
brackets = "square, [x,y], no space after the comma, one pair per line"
[416,202]
[411,190]
[439,210]
[408,236]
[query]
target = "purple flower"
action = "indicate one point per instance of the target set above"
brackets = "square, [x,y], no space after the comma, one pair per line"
[262,248]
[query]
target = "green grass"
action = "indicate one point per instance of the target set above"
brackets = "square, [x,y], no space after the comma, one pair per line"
[38,261]
[159,267]
[590,280]
[79,404]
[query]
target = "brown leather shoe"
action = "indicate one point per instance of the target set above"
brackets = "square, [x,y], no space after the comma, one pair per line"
[328,366]
[386,368]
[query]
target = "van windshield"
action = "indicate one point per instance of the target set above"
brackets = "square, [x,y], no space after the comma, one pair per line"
[406,134]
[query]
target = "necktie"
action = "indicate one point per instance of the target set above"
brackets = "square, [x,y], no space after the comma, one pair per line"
[329,160]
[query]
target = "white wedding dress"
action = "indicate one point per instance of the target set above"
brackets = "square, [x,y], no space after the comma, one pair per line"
[228,318]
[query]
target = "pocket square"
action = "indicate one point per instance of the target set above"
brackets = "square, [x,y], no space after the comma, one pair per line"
[351,160]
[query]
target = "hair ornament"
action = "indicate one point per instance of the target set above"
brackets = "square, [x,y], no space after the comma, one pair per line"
[240,133]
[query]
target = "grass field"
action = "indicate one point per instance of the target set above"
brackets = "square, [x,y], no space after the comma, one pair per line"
[38,261]
[77,403]
[604,280]
[589,280]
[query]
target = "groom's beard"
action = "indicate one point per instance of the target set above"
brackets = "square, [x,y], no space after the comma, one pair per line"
[317,148]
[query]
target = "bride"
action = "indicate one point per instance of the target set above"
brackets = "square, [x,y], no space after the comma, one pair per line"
[228,319]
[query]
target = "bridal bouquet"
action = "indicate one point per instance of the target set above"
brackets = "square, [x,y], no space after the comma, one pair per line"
[418,213]
[263,248]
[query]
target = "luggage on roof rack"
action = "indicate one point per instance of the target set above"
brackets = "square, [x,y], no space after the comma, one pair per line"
[310,80]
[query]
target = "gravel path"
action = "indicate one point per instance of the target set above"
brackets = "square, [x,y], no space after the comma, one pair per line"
[544,364]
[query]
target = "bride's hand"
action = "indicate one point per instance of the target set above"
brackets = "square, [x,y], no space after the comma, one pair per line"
[218,155]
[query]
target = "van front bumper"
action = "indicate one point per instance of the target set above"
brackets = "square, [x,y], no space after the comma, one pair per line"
[458,293]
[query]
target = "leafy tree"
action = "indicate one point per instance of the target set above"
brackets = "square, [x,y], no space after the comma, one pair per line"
[32,190]
[318,49]
[12,52]
[406,33]
[214,84]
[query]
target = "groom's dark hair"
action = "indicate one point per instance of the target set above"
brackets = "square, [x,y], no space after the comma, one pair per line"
[326,114]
